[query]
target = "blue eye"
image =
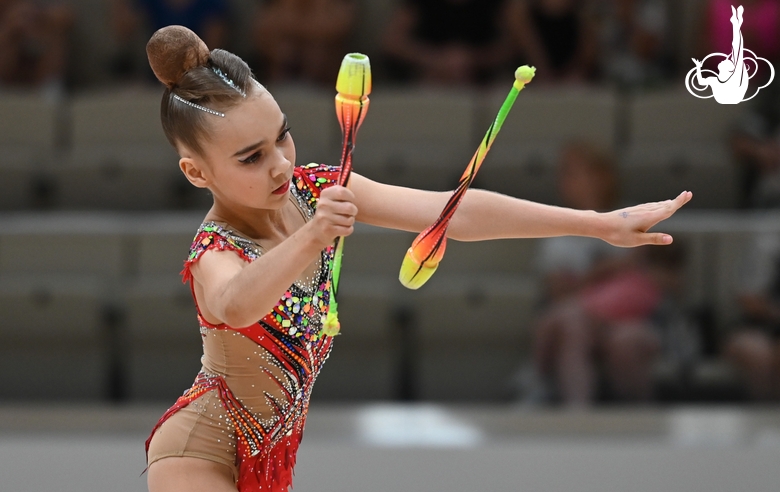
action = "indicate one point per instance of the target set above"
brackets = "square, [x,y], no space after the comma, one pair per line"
[251,159]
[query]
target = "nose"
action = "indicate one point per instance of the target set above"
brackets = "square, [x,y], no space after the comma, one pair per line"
[281,163]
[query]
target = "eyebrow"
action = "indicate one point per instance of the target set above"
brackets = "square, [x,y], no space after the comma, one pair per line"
[261,142]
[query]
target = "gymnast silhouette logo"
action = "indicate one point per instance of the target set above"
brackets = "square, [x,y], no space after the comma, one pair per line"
[730,84]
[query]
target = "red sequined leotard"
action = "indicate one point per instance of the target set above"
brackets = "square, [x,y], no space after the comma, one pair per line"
[249,402]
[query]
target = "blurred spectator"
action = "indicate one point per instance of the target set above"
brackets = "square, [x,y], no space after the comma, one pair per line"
[34,44]
[601,302]
[755,142]
[447,42]
[134,21]
[303,39]
[633,47]
[556,36]
[754,348]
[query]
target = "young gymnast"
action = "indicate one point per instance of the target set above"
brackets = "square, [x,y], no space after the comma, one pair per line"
[264,253]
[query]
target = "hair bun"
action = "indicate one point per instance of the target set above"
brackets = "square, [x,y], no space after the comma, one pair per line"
[172,51]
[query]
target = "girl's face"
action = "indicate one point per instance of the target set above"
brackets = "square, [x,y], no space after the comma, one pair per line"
[250,155]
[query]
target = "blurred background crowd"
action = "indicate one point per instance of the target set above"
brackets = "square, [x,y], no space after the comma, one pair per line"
[98,219]
[73,45]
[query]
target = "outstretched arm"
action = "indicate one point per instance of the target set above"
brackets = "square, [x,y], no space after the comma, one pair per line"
[487,215]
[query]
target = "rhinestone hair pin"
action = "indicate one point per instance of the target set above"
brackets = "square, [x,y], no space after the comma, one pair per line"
[228,81]
[198,106]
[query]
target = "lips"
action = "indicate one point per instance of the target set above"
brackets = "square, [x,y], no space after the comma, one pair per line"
[282,189]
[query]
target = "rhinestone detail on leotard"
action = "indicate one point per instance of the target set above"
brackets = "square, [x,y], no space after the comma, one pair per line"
[291,349]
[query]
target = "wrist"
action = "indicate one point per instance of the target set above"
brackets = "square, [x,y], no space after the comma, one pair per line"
[308,239]
[596,224]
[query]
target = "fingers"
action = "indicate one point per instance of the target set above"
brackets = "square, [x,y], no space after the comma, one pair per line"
[342,230]
[334,225]
[338,193]
[344,209]
[681,200]
[673,204]
[645,216]
[658,238]
[336,212]
[340,200]
[669,207]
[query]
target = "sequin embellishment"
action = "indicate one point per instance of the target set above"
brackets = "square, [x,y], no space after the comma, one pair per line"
[295,352]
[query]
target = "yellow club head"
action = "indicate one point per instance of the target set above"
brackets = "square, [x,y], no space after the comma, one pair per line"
[354,80]
[413,275]
[331,327]
[525,74]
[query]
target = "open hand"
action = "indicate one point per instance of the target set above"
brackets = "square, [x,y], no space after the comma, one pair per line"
[628,227]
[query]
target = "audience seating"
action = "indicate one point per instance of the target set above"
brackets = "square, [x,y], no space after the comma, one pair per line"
[161,335]
[29,132]
[311,115]
[677,142]
[107,151]
[102,306]
[674,116]
[523,159]
[421,138]
[54,337]
[654,172]
[62,244]
[119,157]
[163,253]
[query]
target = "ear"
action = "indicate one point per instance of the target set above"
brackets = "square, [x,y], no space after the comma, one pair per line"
[194,172]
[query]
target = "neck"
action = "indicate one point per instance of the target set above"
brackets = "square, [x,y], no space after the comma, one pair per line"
[267,225]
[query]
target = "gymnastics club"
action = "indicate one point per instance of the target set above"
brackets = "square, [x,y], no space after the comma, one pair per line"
[423,257]
[353,86]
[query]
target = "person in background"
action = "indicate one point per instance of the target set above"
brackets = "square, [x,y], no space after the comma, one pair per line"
[303,40]
[134,20]
[555,36]
[34,45]
[754,347]
[447,42]
[755,143]
[599,301]
[633,40]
